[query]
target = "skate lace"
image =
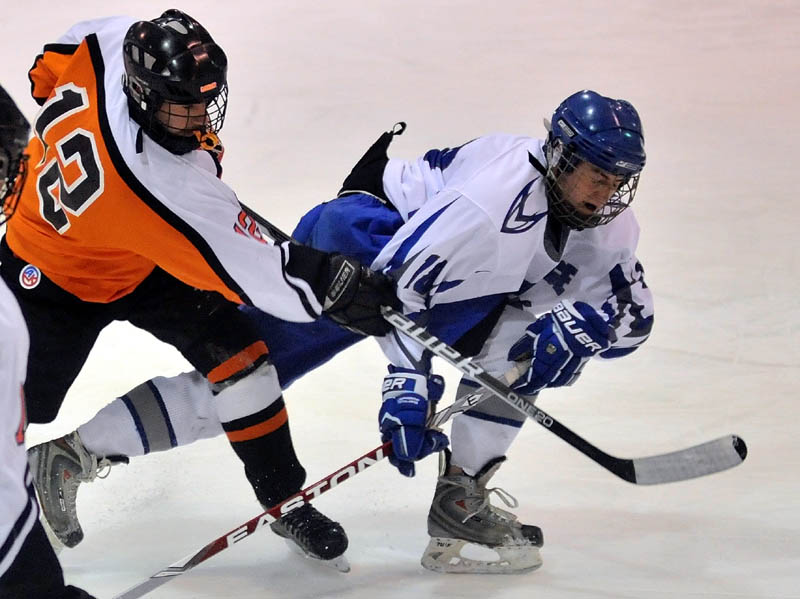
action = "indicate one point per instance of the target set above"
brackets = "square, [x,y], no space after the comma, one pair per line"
[506,497]
[101,468]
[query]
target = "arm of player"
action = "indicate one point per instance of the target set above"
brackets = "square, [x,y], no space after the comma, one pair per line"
[47,65]
[198,232]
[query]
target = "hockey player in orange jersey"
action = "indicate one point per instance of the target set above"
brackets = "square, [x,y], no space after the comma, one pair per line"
[124,217]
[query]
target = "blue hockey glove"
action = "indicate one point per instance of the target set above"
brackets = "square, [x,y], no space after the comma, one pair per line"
[408,396]
[558,345]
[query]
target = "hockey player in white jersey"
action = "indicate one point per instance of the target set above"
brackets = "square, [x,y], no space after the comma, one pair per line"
[509,248]
[29,568]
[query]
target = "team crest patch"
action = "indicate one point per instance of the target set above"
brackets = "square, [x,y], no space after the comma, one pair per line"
[30,276]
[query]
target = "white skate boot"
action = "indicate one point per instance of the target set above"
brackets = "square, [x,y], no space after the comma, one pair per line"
[461,516]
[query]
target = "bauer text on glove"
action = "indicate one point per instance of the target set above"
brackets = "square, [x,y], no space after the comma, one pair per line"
[559,344]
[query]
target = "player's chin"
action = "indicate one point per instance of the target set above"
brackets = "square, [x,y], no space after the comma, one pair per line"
[181,132]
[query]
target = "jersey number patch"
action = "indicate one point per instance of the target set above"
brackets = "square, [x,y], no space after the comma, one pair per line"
[78,147]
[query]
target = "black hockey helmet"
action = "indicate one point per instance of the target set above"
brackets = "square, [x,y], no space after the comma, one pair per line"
[172,63]
[14,130]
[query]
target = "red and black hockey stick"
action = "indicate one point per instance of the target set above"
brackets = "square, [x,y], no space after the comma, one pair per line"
[357,466]
[245,530]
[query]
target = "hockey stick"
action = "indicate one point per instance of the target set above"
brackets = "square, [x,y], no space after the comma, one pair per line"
[245,530]
[461,404]
[691,462]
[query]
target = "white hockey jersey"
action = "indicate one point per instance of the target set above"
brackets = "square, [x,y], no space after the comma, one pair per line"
[474,238]
[18,508]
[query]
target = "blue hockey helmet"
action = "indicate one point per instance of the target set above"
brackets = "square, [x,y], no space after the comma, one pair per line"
[604,132]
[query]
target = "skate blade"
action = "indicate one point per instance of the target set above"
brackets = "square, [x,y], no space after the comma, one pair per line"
[55,542]
[341,563]
[445,555]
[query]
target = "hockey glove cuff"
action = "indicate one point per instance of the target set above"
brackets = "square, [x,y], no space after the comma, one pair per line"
[409,397]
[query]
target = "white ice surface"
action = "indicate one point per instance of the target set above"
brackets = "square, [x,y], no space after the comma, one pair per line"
[312,85]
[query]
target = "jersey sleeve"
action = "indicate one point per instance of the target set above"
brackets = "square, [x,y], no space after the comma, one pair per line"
[48,66]
[190,223]
[629,306]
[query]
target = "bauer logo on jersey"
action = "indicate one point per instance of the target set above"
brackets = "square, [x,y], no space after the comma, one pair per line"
[30,276]
[516,220]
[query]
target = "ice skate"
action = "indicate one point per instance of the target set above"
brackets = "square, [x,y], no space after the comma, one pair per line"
[461,521]
[58,468]
[314,535]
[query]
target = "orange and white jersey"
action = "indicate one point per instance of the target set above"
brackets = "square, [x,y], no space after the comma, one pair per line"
[96,216]
[18,508]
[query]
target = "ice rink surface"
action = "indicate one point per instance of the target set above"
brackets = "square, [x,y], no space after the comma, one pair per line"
[312,84]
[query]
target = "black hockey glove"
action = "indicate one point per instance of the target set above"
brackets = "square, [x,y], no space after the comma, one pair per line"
[355,294]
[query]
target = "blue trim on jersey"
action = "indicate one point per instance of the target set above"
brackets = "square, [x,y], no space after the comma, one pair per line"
[441,159]
[445,285]
[450,321]
[137,423]
[173,440]
[621,288]
[495,419]
[526,285]
[402,252]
